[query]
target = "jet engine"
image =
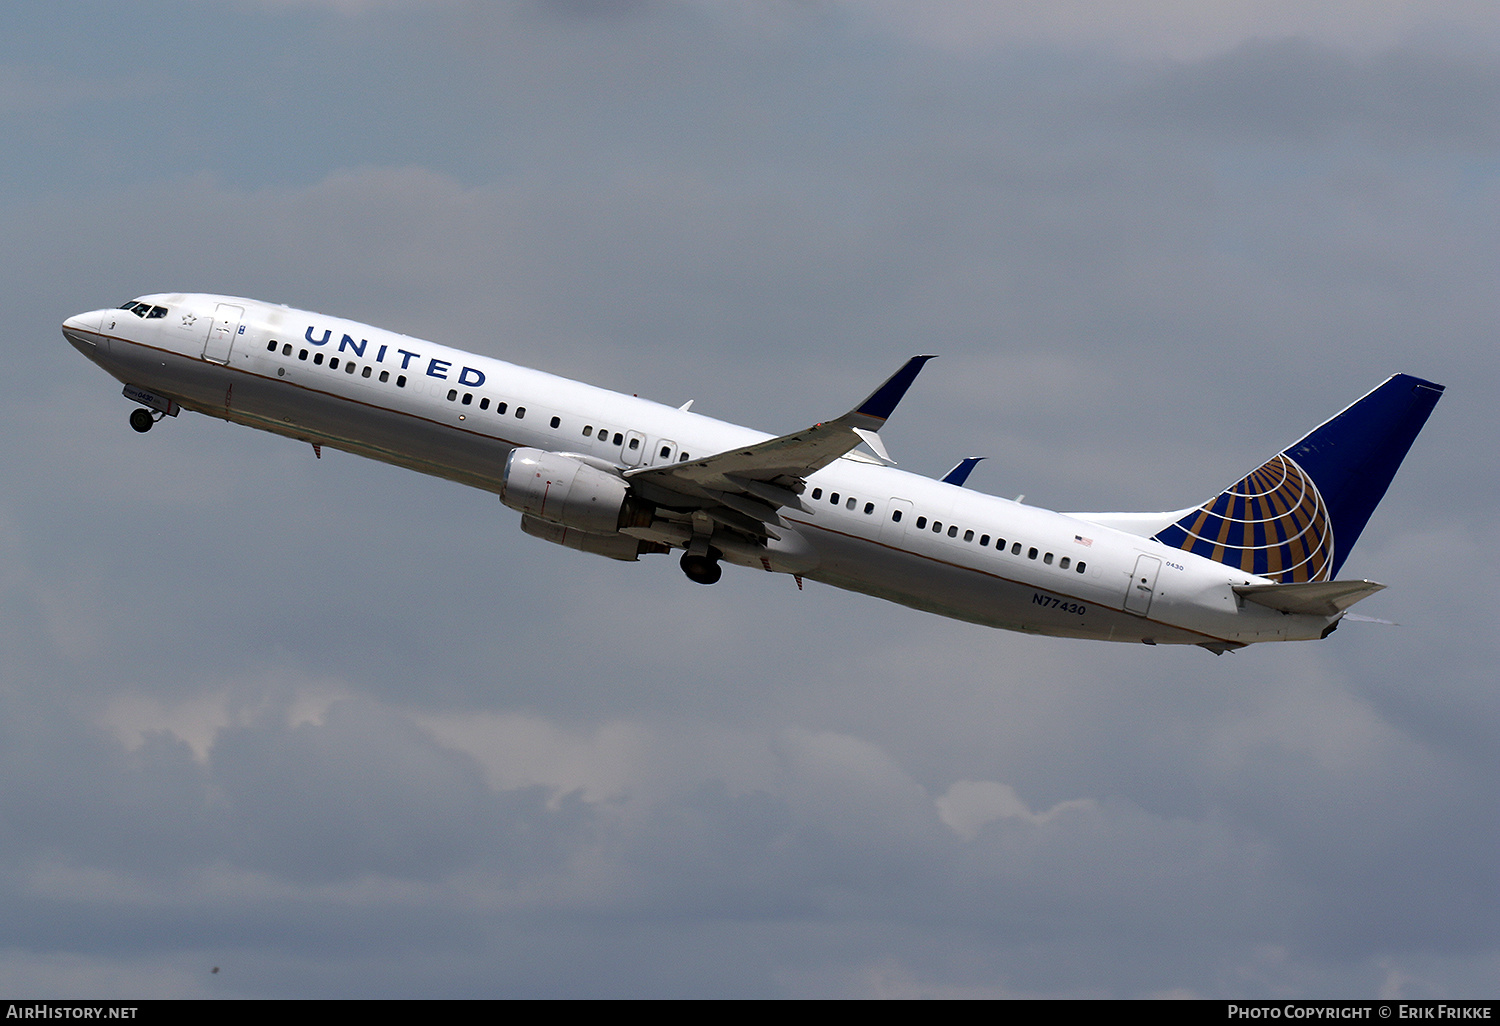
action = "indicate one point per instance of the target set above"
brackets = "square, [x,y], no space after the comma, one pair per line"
[563,489]
[615,546]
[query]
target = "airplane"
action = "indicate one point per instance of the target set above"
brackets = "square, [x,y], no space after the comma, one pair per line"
[622,477]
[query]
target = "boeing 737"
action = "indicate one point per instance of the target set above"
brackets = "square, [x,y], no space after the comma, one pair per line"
[622,477]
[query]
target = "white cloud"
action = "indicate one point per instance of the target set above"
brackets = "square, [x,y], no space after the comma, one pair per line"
[198,717]
[970,805]
[601,764]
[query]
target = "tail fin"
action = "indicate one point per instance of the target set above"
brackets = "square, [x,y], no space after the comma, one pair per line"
[1296,517]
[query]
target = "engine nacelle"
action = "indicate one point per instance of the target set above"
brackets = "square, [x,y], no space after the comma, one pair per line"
[564,490]
[615,546]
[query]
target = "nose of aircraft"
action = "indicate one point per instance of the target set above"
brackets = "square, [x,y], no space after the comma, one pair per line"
[81,330]
[83,322]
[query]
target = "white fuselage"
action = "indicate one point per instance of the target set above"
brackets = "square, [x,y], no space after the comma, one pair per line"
[458,415]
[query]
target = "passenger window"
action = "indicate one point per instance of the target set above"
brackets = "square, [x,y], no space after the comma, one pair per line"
[1080,566]
[500,408]
[834,498]
[588,431]
[468,398]
[333,363]
[452,394]
[484,403]
[849,503]
[937,527]
[366,372]
[681,456]
[302,354]
[635,443]
[666,451]
[401,381]
[350,368]
[984,540]
[556,421]
[953,531]
[869,508]
[1063,563]
[1031,553]
[272,347]
[318,359]
[1047,559]
[896,516]
[385,376]
[968,536]
[520,412]
[618,438]
[286,350]
[817,493]
[921,523]
[1015,550]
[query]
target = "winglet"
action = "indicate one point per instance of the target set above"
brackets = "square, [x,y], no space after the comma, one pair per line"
[959,474]
[882,402]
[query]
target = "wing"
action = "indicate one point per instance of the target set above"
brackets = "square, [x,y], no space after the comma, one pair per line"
[742,488]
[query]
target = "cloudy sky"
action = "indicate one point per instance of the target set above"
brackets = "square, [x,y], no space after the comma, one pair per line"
[339,729]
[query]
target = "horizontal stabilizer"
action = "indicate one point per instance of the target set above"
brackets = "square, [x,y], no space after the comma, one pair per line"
[1313,598]
[1356,618]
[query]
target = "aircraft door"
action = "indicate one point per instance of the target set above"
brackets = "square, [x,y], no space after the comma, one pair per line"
[897,518]
[221,336]
[634,450]
[1142,586]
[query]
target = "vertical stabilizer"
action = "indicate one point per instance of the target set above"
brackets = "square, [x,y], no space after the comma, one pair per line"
[1296,517]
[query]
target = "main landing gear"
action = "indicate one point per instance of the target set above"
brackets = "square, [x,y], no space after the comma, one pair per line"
[141,419]
[704,569]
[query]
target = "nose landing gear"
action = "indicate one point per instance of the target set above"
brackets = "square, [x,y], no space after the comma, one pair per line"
[702,569]
[153,407]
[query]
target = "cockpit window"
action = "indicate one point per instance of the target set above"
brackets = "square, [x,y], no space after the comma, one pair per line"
[146,310]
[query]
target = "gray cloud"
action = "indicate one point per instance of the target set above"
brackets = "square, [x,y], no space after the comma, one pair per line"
[344,730]
[1292,91]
